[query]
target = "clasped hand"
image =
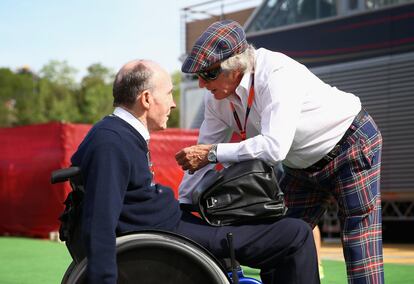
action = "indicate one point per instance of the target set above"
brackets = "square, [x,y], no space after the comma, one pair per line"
[193,158]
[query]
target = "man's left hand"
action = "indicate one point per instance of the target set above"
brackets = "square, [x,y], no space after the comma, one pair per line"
[193,158]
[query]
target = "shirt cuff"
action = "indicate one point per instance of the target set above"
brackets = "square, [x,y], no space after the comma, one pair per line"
[184,200]
[228,152]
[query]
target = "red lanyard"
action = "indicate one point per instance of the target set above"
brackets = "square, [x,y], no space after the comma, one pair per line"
[249,106]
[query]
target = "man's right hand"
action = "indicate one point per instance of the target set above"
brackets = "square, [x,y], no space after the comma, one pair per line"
[193,158]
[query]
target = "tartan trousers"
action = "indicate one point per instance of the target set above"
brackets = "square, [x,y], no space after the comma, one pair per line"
[352,178]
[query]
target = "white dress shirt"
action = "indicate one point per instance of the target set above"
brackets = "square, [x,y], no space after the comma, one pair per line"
[295,118]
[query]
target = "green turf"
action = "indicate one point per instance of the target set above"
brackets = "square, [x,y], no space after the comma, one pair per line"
[335,273]
[34,261]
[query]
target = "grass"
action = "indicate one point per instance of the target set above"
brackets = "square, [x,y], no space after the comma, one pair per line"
[32,261]
[335,273]
[35,261]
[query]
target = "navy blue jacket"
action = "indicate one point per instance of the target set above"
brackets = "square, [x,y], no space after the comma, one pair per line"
[119,196]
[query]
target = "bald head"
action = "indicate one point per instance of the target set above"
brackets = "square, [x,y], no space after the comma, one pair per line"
[132,79]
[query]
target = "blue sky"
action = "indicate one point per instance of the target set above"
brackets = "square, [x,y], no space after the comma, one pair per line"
[83,32]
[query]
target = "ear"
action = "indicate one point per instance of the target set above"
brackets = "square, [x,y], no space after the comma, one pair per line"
[144,99]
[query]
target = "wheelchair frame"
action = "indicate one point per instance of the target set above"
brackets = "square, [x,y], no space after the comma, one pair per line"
[205,267]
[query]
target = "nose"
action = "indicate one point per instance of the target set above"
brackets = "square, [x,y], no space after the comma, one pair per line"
[172,103]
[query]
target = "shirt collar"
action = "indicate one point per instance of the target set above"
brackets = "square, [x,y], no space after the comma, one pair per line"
[133,121]
[244,83]
[242,89]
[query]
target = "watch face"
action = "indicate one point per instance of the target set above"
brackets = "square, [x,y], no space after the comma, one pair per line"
[212,157]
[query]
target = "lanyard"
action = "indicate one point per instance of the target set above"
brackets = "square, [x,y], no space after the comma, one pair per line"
[249,106]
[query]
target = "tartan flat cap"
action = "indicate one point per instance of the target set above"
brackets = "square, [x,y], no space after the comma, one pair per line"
[218,42]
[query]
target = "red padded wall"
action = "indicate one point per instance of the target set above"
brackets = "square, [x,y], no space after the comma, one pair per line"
[29,204]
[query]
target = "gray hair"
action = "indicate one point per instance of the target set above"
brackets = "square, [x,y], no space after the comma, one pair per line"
[131,82]
[243,62]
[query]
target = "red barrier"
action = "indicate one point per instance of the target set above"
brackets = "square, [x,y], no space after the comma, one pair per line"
[29,204]
[164,145]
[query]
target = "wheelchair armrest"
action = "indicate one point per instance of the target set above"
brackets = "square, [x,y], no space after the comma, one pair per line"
[62,175]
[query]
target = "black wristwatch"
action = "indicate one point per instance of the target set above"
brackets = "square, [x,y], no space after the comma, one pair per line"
[212,154]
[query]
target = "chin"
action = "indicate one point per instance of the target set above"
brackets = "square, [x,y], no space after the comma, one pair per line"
[162,127]
[219,97]
[156,128]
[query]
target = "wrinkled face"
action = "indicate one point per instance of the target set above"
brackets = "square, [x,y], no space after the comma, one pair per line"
[223,85]
[161,101]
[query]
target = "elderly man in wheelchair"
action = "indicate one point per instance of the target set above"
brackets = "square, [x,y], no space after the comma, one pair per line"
[120,227]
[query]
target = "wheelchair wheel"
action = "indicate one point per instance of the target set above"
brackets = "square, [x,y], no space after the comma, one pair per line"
[68,272]
[158,257]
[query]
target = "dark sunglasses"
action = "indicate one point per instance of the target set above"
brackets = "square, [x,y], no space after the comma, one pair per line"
[210,75]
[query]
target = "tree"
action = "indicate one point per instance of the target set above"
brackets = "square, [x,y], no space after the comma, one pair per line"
[95,99]
[56,96]
[16,96]
[29,106]
[7,101]
[60,73]
[57,102]
[98,72]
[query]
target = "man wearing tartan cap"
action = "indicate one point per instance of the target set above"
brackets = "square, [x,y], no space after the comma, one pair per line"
[220,41]
[329,146]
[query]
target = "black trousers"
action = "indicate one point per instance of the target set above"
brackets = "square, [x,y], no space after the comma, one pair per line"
[283,250]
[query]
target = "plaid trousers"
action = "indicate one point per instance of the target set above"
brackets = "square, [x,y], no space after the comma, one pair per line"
[353,179]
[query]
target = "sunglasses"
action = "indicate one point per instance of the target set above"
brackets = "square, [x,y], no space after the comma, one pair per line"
[210,75]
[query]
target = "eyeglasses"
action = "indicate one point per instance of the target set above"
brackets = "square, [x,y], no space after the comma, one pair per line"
[210,75]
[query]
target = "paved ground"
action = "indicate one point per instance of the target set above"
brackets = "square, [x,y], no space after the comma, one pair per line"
[393,253]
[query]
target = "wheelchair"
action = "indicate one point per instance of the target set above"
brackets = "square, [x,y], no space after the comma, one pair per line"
[148,257]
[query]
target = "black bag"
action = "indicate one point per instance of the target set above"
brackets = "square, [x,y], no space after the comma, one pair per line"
[243,192]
